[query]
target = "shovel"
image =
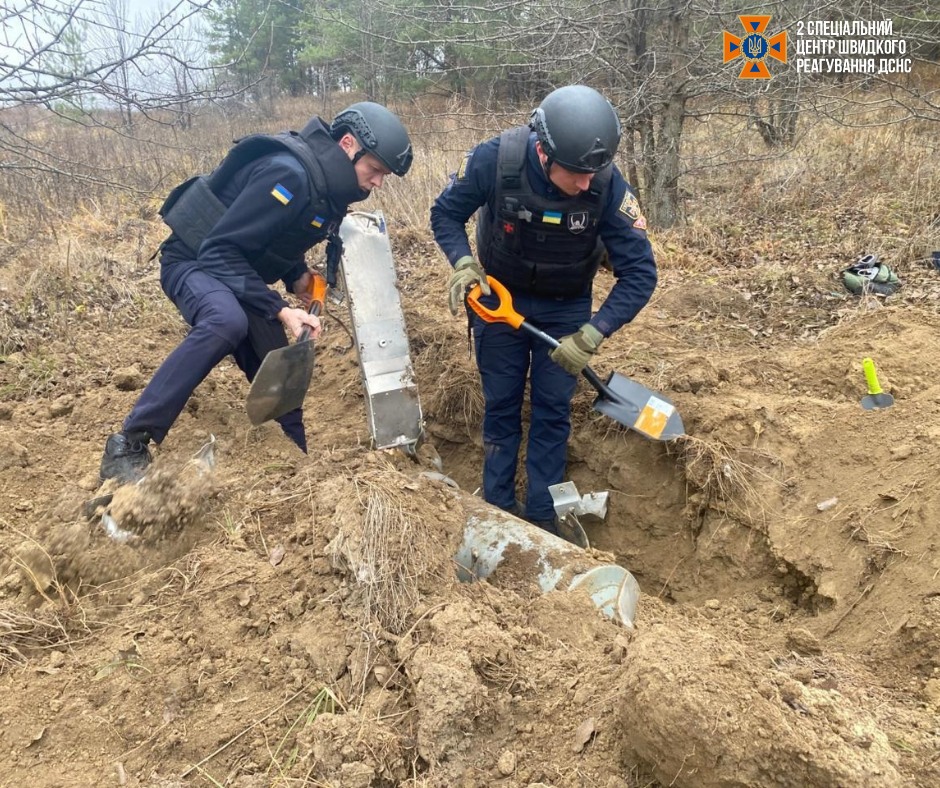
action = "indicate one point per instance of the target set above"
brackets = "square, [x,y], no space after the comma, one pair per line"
[284,376]
[875,398]
[622,399]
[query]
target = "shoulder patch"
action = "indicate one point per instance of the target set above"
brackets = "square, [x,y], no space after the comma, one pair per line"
[462,169]
[630,207]
[281,194]
[640,223]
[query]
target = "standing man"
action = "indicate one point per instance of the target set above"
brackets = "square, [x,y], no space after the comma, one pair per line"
[240,229]
[550,206]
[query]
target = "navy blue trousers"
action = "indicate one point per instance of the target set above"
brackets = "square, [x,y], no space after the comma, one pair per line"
[219,326]
[506,357]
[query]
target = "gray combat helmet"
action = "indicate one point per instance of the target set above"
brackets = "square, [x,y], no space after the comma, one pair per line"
[379,131]
[578,128]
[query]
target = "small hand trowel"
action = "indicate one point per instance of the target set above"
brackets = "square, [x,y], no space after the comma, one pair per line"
[875,398]
[284,376]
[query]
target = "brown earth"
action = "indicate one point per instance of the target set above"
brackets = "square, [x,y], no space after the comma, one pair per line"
[291,620]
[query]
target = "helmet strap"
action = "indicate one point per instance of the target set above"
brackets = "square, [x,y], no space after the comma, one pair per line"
[549,161]
[540,148]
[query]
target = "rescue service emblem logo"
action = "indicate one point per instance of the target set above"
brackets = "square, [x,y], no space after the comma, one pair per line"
[577,222]
[755,48]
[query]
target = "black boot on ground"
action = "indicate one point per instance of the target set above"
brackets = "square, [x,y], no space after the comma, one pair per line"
[126,457]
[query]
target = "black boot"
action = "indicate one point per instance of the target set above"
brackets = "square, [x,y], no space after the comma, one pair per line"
[126,457]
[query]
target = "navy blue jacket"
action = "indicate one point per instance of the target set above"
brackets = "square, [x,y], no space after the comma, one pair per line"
[255,218]
[629,250]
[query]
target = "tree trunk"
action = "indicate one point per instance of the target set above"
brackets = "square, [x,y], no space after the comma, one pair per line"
[662,198]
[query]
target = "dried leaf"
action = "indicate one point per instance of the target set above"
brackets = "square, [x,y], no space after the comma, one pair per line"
[277,555]
[584,734]
[106,670]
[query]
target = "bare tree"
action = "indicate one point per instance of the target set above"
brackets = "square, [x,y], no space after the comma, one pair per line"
[660,61]
[88,62]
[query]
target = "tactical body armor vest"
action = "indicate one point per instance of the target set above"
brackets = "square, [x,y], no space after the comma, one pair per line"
[193,208]
[546,247]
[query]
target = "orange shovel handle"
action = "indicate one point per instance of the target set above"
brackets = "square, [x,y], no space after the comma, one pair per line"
[504,313]
[317,291]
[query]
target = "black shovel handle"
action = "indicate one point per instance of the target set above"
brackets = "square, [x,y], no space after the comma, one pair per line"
[590,374]
[314,309]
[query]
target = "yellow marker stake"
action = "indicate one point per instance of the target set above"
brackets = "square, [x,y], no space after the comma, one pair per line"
[876,398]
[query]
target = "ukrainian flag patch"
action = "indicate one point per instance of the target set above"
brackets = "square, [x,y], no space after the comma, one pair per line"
[281,194]
[551,217]
[318,221]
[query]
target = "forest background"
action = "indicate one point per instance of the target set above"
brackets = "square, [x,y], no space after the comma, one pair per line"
[154,71]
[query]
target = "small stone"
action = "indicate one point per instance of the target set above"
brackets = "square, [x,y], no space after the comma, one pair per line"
[61,406]
[506,763]
[791,691]
[827,504]
[901,452]
[803,642]
[766,690]
[13,455]
[128,379]
[581,696]
[713,604]
[932,691]
[803,674]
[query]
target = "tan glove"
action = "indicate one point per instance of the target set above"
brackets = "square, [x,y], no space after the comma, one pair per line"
[575,350]
[467,272]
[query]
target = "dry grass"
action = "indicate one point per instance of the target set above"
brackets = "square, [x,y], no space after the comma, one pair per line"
[389,550]
[386,546]
[458,398]
[22,634]
[715,472]
[711,468]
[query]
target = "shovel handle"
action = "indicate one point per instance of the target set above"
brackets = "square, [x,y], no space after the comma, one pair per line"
[317,292]
[871,377]
[504,313]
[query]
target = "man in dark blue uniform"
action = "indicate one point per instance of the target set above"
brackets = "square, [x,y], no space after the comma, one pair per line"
[550,207]
[240,229]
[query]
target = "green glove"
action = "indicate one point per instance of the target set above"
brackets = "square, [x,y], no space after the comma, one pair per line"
[467,272]
[576,349]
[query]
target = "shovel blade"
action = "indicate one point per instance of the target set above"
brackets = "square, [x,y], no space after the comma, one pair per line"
[874,401]
[572,531]
[281,383]
[640,409]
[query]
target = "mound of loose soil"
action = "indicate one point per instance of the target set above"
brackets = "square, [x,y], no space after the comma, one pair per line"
[296,620]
